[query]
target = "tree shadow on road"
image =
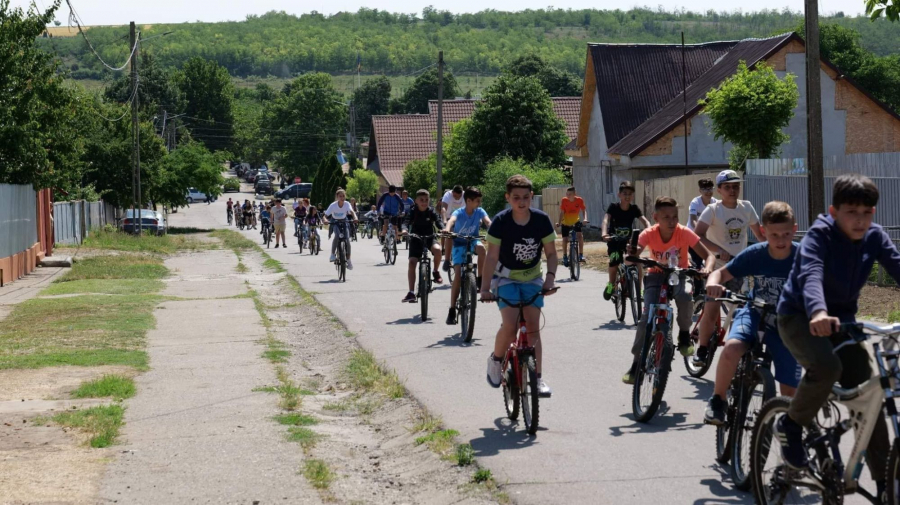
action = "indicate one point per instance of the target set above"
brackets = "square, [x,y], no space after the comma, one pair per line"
[331,281]
[662,421]
[505,435]
[454,340]
[723,494]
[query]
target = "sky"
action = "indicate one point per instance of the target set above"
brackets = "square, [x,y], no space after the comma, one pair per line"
[109,12]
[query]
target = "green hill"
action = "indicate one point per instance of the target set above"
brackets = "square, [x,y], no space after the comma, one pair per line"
[282,45]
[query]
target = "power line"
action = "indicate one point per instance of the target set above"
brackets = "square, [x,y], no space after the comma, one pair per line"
[127,104]
[73,16]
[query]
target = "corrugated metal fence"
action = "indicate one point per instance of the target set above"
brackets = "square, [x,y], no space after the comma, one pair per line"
[18,219]
[73,221]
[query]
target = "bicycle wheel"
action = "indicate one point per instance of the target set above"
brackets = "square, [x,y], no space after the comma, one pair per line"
[575,264]
[423,289]
[467,318]
[893,474]
[652,375]
[772,479]
[725,433]
[267,238]
[619,296]
[318,244]
[342,261]
[751,398]
[700,371]
[511,390]
[394,251]
[635,296]
[528,389]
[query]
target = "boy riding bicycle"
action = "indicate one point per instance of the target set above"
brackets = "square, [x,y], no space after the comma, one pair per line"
[669,243]
[618,222]
[570,209]
[422,220]
[340,210]
[466,220]
[831,267]
[516,238]
[769,263]
[723,229]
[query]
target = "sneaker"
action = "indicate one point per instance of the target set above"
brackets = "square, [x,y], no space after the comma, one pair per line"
[790,434]
[410,298]
[715,411]
[581,258]
[451,316]
[276,246]
[493,370]
[446,265]
[686,345]
[332,258]
[349,265]
[628,378]
[700,358]
[566,263]
[437,277]
[607,293]
[544,390]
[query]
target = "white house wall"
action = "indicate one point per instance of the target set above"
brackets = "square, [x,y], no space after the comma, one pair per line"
[588,174]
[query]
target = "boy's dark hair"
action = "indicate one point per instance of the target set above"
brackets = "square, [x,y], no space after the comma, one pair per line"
[457,189]
[471,193]
[423,192]
[626,185]
[392,189]
[665,201]
[854,189]
[518,181]
[776,213]
[705,183]
[570,188]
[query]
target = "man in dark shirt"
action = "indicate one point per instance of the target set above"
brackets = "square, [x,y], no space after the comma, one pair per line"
[422,220]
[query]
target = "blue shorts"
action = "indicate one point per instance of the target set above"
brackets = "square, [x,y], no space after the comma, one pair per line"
[520,292]
[458,253]
[744,328]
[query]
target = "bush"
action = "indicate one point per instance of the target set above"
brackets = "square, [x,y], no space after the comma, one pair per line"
[494,187]
[363,185]
[232,184]
[421,174]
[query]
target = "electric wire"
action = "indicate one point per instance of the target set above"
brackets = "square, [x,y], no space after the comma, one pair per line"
[73,16]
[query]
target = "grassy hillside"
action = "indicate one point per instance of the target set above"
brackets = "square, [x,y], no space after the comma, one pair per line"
[282,45]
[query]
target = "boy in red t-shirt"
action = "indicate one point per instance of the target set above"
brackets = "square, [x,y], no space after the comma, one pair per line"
[570,209]
[667,239]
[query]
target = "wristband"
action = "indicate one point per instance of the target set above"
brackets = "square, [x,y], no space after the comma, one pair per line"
[552,273]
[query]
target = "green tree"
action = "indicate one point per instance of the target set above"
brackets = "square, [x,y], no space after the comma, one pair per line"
[363,186]
[158,89]
[888,8]
[516,120]
[208,96]
[422,174]
[307,123]
[371,99]
[501,169]
[191,165]
[750,109]
[329,177]
[425,88]
[556,81]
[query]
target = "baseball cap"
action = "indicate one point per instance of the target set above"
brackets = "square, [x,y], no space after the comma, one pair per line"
[727,176]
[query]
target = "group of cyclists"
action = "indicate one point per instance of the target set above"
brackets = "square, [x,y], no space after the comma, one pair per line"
[814,285]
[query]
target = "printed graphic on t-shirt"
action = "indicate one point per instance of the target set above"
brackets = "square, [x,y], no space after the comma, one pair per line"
[527,251]
[663,256]
[768,289]
[736,228]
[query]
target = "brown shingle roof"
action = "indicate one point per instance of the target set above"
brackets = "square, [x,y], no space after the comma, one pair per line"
[397,140]
[567,108]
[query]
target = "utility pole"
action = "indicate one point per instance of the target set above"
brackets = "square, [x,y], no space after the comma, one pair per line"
[135,128]
[440,126]
[352,129]
[814,162]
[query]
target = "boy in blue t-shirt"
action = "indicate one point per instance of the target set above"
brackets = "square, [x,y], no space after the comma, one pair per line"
[833,264]
[769,263]
[466,221]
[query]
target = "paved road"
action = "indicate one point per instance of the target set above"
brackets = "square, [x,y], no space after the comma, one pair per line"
[589,449]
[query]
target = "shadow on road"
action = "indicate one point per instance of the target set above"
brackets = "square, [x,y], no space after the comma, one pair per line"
[416,319]
[723,493]
[504,436]
[703,387]
[454,340]
[663,421]
[614,324]
[331,281]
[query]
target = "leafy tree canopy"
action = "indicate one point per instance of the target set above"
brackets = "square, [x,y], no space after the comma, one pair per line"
[158,89]
[750,109]
[208,96]
[371,99]
[557,82]
[422,174]
[329,177]
[425,88]
[363,186]
[501,169]
[888,8]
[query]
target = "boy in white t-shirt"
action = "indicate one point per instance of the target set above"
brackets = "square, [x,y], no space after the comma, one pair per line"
[452,200]
[698,205]
[340,210]
[724,227]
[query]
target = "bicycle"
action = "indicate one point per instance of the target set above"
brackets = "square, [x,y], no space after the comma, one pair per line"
[230,216]
[315,242]
[370,228]
[574,257]
[267,233]
[425,286]
[390,245]
[340,262]
[658,351]
[828,479]
[519,380]
[628,288]
[468,288]
[751,386]
[302,234]
[716,340]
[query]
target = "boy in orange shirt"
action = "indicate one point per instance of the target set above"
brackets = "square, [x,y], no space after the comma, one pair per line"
[669,243]
[570,209]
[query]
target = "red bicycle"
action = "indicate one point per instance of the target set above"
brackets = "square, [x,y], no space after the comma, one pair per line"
[519,380]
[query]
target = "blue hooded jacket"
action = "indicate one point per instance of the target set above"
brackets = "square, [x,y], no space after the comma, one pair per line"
[830,270]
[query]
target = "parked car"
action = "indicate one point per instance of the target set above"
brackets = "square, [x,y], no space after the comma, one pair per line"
[195,195]
[300,190]
[151,222]
[231,184]
[264,187]
[250,176]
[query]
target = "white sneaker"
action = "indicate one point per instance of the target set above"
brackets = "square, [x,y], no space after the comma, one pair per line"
[543,389]
[349,265]
[494,371]
[332,258]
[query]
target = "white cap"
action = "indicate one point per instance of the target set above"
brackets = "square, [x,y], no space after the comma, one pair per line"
[727,176]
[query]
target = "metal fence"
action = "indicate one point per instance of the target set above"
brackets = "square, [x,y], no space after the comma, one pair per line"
[18,219]
[73,221]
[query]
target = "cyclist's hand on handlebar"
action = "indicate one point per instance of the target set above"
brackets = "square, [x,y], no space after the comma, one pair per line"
[487,297]
[706,270]
[549,285]
[715,291]
[605,238]
[557,225]
[823,325]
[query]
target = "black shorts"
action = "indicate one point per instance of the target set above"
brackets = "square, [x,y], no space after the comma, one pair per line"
[394,219]
[416,246]
[568,229]
[617,247]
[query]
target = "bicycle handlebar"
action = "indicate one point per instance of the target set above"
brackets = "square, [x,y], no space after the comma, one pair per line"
[693,272]
[739,298]
[520,304]
[423,238]
[467,238]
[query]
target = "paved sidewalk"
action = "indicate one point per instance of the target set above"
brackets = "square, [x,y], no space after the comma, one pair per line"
[26,288]
[196,432]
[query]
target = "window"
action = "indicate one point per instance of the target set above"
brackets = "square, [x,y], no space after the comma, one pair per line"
[606,169]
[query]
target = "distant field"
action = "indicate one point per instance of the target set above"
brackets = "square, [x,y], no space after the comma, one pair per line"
[347,83]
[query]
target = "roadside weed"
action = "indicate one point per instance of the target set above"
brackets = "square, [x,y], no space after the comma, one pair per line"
[102,423]
[296,420]
[317,473]
[439,441]
[364,372]
[427,422]
[465,455]
[111,386]
[306,437]
[482,475]
[166,244]
[120,266]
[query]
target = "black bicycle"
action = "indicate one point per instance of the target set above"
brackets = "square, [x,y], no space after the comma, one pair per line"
[343,235]
[574,257]
[751,386]
[628,287]
[468,287]
[267,232]
[425,286]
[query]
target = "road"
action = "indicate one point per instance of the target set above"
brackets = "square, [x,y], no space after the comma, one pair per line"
[589,449]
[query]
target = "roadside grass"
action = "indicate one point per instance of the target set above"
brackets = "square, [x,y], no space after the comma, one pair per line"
[318,473]
[265,389]
[483,481]
[482,475]
[86,330]
[364,372]
[108,386]
[119,266]
[288,390]
[102,423]
[306,437]
[234,240]
[186,230]
[296,419]
[166,244]
[428,423]
[894,317]
[105,287]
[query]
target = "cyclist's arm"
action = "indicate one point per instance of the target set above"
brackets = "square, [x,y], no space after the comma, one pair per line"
[605,225]
[714,284]
[700,229]
[693,220]
[552,263]
[490,265]
[584,211]
[710,256]
[757,232]
[449,228]
[486,222]
[645,222]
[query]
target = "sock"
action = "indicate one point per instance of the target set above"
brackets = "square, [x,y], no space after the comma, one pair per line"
[495,358]
[539,375]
